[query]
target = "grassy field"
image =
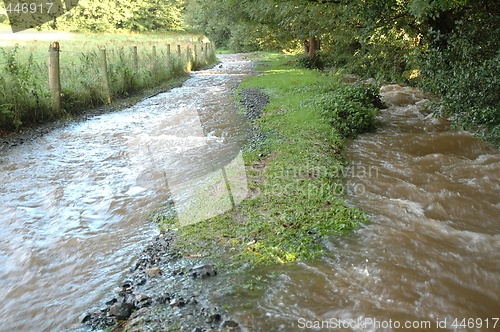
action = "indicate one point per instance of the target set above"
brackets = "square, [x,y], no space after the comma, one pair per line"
[24,91]
[295,172]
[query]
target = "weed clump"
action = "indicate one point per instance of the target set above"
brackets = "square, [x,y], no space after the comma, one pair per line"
[314,62]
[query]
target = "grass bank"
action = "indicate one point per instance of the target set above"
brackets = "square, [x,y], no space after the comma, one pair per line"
[135,62]
[294,171]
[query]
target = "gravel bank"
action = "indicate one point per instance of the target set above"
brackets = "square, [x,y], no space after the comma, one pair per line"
[254,100]
[162,292]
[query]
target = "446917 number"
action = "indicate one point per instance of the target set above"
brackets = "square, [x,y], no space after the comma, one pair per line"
[29,8]
[475,323]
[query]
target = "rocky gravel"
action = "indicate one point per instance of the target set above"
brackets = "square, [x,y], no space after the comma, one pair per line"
[253,100]
[163,292]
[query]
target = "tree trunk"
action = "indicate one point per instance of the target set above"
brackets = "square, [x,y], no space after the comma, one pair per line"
[312,45]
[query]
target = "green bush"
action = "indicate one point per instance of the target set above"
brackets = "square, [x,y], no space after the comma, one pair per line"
[467,78]
[23,97]
[350,108]
[314,62]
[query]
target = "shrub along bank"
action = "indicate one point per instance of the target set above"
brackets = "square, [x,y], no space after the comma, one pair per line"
[294,170]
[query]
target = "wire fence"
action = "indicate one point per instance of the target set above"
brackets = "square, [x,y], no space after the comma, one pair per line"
[66,81]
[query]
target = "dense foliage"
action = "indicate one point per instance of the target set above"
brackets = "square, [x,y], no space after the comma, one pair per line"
[448,47]
[111,15]
[351,108]
[139,15]
[465,73]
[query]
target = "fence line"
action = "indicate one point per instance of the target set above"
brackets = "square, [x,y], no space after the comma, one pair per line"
[191,59]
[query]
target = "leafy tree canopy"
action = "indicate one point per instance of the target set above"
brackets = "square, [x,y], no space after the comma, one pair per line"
[448,47]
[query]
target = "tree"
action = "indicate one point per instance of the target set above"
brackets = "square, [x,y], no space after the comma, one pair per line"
[109,15]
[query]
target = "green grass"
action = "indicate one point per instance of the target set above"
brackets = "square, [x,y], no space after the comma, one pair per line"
[296,171]
[24,92]
[224,50]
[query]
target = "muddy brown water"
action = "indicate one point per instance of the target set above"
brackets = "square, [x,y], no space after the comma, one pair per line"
[429,259]
[74,203]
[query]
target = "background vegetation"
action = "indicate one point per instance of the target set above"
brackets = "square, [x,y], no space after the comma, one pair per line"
[111,15]
[449,48]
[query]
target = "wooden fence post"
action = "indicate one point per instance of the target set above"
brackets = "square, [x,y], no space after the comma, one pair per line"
[154,57]
[136,59]
[168,56]
[105,77]
[179,52]
[189,64]
[55,76]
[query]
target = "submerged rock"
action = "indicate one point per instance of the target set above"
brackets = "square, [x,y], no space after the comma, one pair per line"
[230,323]
[203,271]
[214,318]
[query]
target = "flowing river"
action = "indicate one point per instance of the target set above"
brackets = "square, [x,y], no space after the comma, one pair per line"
[74,203]
[429,259]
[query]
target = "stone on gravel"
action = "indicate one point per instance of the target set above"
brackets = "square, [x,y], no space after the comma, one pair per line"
[230,323]
[162,299]
[214,318]
[111,302]
[85,318]
[119,290]
[141,281]
[153,272]
[121,310]
[203,271]
[180,302]
[141,297]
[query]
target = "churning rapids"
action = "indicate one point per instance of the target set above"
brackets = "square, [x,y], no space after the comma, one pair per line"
[74,209]
[430,255]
